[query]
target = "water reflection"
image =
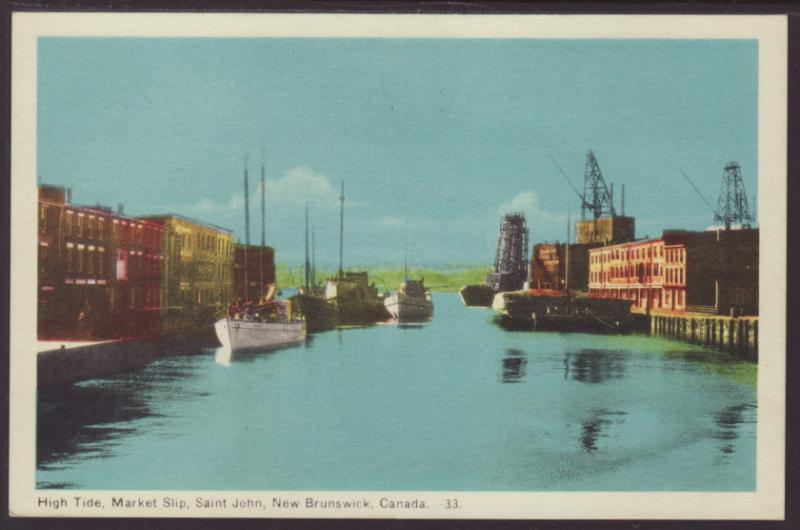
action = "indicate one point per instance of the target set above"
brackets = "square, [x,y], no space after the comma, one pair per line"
[84,420]
[225,356]
[595,366]
[412,325]
[728,422]
[514,364]
[597,426]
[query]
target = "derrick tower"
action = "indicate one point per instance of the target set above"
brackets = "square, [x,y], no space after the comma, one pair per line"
[596,196]
[511,258]
[732,206]
[603,225]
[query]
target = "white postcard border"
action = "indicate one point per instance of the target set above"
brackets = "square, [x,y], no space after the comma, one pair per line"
[767,502]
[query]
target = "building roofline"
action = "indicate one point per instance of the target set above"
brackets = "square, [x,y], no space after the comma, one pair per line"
[100,211]
[252,246]
[187,219]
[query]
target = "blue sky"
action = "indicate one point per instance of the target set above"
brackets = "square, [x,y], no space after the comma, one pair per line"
[434,138]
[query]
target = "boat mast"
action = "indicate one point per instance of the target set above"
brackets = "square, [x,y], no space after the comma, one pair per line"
[566,258]
[405,251]
[263,230]
[313,259]
[341,231]
[307,265]
[246,232]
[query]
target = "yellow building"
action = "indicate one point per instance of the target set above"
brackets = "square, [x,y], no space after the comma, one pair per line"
[198,273]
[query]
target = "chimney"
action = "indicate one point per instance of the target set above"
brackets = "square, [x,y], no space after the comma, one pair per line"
[121,209]
[69,196]
[623,200]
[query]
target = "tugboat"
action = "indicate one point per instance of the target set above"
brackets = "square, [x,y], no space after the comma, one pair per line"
[411,302]
[510,264]
[266,323]
[356,300]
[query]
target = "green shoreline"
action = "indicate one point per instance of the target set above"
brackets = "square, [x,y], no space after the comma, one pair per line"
[386,278]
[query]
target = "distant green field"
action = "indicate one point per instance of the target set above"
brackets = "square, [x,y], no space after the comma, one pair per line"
[385,278]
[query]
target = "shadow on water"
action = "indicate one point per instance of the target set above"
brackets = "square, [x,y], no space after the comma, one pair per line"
[85,420]
[728,422]
[597,426]
[595,366]
[514,366]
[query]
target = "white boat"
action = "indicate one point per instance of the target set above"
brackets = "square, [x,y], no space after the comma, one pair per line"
[410,303]
[258,324]
[243,334]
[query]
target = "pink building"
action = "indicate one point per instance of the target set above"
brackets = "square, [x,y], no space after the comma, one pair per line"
[715,271]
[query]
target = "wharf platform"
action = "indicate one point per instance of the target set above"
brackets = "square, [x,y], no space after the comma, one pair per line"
[738,336]
[61,363]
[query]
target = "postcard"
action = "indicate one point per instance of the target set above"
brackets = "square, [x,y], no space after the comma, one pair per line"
[398,266]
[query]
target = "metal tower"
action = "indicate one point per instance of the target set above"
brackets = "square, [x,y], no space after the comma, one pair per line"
[732,205]
[511,259]
[596,196]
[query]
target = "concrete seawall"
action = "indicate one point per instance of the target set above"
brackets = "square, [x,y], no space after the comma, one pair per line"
[736,336]
[63,366]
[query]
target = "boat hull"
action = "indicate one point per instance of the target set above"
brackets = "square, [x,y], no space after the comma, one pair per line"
[476,295]
[520,311]
[319,314]
[407,309]
[250,334]
[360,312]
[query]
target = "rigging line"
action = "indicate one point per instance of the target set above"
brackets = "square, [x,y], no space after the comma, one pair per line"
[599,319]
[580,196]
[697,191]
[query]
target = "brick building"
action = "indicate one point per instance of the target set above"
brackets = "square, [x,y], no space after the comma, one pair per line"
[99,273]
[715,271]
[198,274]
[549,262]
[605,230]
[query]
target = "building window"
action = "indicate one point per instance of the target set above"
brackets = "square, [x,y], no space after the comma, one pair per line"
[122,265]
[100,227]
[101,258]
[42,257]
[42,218]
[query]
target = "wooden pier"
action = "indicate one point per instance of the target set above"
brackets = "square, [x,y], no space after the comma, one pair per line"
[737,336]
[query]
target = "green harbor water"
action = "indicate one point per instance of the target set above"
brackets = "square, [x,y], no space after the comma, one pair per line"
[455,404]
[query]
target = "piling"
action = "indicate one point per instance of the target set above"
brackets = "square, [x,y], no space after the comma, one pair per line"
[736,336]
